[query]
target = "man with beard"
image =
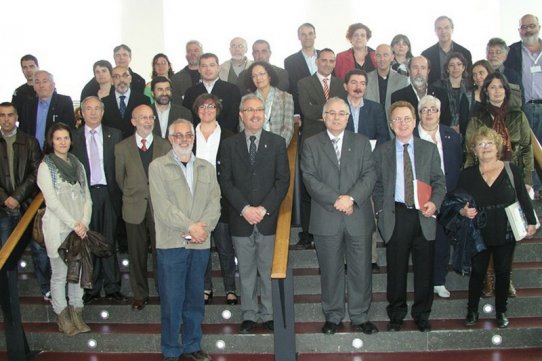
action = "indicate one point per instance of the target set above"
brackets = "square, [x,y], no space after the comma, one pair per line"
[186,203]
[189,75]
[118,106]
[230,69]
[419,71]
[164,111]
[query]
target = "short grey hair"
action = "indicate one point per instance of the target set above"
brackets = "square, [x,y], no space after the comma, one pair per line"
[246,98]
[444,17]
[91,97]
[194,42]
[171,127]
[497,42]
[428,99]
[49,75]
[334,100]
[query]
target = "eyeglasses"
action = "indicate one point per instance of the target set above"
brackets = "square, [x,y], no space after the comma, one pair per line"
[181,136]
[334,114]
[530,27]
[405,120]
[252,110]
[124,76]
[485,144]
[144,117]
[207,106]
[429,110]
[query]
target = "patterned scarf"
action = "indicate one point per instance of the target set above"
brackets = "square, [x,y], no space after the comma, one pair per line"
[499,114]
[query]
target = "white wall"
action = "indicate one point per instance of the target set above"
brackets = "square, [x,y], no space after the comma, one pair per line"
[69,36]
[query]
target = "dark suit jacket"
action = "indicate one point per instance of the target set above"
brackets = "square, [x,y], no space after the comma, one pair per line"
[283,84]
[60,110]
[264,184]
[228,94]
[112,117]
[92,87]
[176,112]
[452,152]
[180,82]
[312,100]
[372,121]
[514,60]
[408,94]
[111,137]
[325,181]
[432,54]
[427,165]
[297,69]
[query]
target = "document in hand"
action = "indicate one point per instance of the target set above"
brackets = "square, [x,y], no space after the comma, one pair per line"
[517,220]
[422,193]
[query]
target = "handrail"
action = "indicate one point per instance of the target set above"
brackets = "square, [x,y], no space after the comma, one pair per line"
[19,230]
[537,150]
[284,223]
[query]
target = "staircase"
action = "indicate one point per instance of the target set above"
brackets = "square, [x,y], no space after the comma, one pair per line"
[117,329]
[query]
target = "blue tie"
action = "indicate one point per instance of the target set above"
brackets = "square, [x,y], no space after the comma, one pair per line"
[122,107]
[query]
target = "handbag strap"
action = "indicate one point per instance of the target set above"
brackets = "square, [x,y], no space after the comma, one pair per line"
[511,177]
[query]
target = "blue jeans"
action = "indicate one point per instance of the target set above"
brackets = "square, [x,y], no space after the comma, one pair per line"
[534,115]
[180,278]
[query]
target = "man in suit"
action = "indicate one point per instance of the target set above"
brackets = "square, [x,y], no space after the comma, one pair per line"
[405,229]
[254,178]
[448,143]
[230,69]
[438,53]
[132,158]
[303,63]
[165,112]
[339,174]
[261,51]
[94,146]
[383,81]
[26,92]
[47,108]
[228,93]
[122,54]
[189,75]
[186,198]
[118,106]
[419,69]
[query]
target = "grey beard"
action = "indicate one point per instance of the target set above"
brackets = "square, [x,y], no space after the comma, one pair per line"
[418,83]
[530,39]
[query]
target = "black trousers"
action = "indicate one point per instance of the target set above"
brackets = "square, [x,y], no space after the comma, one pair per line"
[408,239]
[106,271]
[502,263]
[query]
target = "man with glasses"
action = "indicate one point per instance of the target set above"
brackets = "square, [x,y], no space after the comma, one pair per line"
[230,69]
[254,178]
[118,106]
[165,112]
[406,226]
[186,203]
[132,158]
[339,174]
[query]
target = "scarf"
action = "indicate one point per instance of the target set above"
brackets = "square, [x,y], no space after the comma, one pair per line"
[499,115]
[67,169]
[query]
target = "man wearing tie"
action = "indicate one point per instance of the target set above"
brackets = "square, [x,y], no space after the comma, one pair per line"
[339,174]
[132,158]
[404,228]
[94,146]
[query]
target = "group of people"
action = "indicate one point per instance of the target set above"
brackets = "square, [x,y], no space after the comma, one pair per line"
[201,154]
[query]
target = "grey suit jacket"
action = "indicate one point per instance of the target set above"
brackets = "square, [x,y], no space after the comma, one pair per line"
[312,100]
[325,180]
[131,176]
[396,81]
[427,164]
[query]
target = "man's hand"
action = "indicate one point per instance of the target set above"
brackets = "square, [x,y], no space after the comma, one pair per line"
[253,215]
[344,204]
[429,209]
[198,232]
[11,203]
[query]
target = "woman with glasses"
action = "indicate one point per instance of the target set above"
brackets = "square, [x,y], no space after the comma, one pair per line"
[209,135]
[488,182]
[359,56]
[278,104]
[161,66]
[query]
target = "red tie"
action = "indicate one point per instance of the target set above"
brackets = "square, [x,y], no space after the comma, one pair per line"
[326,88]
[144,145]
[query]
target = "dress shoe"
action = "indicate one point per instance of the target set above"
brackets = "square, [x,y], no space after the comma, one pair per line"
[394,325]
[170,359]
[207,296]
[270,325]
[231,298]
[375,267]
[117,297]
[247,326]
[138,305]
[198,356]
[502,320]
[423,325]
[367,328]
[472,318]
[88,298]
[330,328]
[441,291]
[304,244]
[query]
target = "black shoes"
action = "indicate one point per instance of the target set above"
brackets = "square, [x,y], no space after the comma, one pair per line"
[330,328]
[502,320]
[198,356]
[247,326]
[367,328]
[117,297]
[375,267]
[207,296]
[305,241]
[231,298]
[394,325]
[88,298]
[270,325]
[423,325]
[471,319]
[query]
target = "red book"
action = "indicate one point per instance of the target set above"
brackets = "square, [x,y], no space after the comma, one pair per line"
[422,193]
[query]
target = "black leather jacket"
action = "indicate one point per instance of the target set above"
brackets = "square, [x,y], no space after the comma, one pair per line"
[26,159]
